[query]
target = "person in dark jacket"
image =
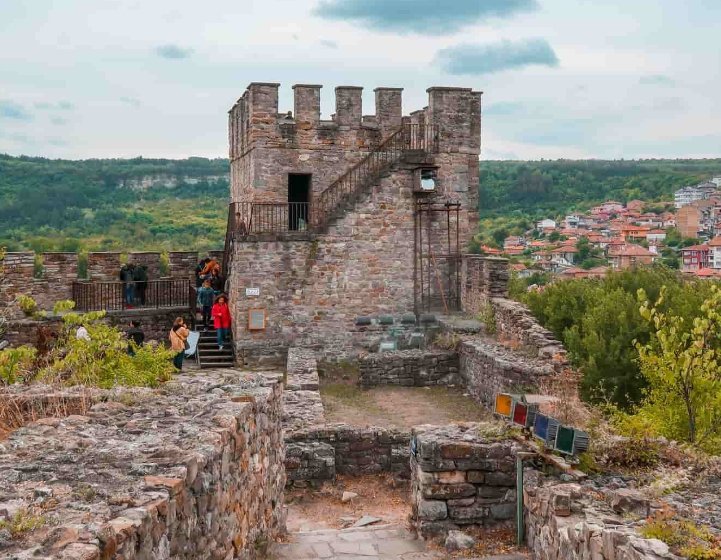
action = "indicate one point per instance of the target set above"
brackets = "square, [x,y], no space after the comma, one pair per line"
[140,275]
[199,276]
[126,277]
[135,336]
[217,282]
[206,295]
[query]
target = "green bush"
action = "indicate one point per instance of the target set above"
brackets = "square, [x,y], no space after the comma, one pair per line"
[16,364]
[103,361]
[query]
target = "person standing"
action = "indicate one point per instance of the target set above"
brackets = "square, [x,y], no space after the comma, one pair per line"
[178,340]
[217,282]
[140,275]
[135,336]
[199,274]
[126,277]
[221,319]
[205,302]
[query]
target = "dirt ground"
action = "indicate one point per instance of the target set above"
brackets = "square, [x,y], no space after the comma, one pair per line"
[399,407]
[378,496]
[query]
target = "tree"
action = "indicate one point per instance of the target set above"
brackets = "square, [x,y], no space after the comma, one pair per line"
[554,236]
[681,366]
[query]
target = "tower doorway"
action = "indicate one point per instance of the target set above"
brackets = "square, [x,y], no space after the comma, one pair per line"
[298,201]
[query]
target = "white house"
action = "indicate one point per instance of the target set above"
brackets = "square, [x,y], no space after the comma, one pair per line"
[546,224]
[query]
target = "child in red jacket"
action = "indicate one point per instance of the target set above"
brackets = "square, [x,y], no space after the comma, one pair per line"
[221,318]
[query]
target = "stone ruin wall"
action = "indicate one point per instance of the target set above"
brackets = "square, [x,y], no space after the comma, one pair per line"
[60,270]
[315,450]
[408,368]
[193,470]
[314,289]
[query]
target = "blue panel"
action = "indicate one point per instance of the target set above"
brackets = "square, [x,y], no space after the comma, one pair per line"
[540,426]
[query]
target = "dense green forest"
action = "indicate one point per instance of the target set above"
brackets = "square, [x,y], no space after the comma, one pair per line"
[61,205]
[541,189]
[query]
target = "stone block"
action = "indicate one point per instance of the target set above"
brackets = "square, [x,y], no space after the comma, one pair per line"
[432,510]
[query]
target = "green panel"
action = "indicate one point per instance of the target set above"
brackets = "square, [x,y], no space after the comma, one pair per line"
[564,439]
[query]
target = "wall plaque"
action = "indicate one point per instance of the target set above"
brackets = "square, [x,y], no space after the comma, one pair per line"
[252,292]
[256,319]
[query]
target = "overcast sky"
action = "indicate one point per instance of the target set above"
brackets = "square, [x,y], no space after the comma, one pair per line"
[561,78]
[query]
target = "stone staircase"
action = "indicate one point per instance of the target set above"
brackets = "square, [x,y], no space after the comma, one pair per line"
[410,140]
[209,356]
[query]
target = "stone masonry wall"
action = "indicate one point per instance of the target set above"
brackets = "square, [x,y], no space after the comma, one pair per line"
[484,283]
[58,272]
[316,451]
[567,522]
[487,368]
[409,368]
[461,476]
[359,450]
[313,291]
[193,470]
[155,323]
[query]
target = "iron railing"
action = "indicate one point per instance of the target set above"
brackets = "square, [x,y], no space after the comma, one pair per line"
[249,218]
[112,296]
[246,218]
[409,137]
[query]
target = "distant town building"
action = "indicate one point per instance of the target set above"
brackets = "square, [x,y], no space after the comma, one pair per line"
[572,221]
[628,255]
[546,224]
[695,257]
[687,195]
[688,221]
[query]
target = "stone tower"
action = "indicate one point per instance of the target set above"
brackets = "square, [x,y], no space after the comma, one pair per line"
[337,222]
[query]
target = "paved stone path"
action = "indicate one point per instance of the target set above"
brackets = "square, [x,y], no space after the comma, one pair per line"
[380,542]
[384,542]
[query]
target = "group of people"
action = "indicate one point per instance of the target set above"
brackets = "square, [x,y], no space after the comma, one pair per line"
[208,270]
[213,307]
[135,283]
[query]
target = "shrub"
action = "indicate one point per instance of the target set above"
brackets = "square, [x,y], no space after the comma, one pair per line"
[683,536]
[487,316]
[16,364]
[22,522]
[27,305]
[103,361]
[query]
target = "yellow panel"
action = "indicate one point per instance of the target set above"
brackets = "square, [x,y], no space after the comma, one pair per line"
[504,404]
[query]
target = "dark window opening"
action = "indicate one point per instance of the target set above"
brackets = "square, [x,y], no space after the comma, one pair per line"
[298,201]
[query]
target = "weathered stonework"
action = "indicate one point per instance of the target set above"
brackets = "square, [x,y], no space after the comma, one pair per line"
[487,368]
[313,286]
[461,476]
[409,368]
[567,522]
[193,470]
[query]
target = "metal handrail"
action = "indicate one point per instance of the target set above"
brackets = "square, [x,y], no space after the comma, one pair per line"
[110,296]
[409,137]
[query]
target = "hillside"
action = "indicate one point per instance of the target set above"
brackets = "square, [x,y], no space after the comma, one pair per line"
[119,204]
[115,204]
[552,188]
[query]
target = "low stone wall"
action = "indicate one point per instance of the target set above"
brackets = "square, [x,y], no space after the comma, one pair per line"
[342,345]
[487,368]
[482,278]
[358,450]
[462,475]
[193,470]
[302,405]
[514,322]
[567,522]
[155,323]
[409,368]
